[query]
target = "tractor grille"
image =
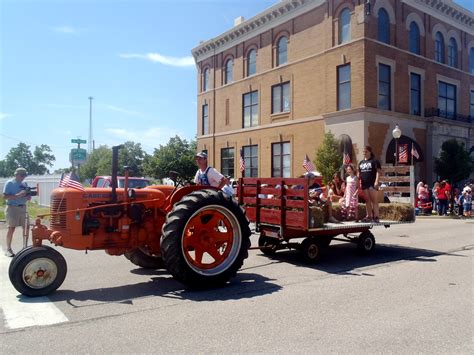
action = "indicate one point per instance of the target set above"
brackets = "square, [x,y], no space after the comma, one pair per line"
[58,220]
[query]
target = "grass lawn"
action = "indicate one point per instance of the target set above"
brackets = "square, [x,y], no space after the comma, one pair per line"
[33,209]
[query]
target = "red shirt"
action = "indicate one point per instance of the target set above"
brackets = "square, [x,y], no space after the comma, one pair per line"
[442,193]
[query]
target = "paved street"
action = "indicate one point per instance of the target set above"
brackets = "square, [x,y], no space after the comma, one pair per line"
[415,294]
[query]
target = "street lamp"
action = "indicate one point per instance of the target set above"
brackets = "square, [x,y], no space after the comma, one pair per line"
[396,133]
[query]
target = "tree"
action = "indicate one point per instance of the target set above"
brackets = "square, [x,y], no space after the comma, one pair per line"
[454,162]
[177,155]
[99,161]
[328,158]
[35,163]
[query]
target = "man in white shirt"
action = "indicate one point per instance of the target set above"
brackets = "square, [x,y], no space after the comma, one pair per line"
[207,175]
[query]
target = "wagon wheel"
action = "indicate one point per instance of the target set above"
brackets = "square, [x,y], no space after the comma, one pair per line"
[311,248]
[37,271]
[205,239]
[366,243]
[143,258]
[267,245]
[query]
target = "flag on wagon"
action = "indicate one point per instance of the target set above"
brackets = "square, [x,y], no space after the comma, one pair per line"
[308,165]
[242,160]
[414,152]
[403,153]
[346,159]
[68,181]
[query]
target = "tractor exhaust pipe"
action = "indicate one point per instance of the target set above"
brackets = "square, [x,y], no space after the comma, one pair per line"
[114,171]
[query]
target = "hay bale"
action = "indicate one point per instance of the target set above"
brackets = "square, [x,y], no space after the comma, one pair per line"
[400,212]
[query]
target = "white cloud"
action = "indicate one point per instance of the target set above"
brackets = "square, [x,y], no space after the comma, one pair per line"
[162,59]
[66,30]
[149,138]
[4,115]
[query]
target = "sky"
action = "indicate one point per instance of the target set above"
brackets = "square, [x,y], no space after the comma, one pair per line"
[133,57]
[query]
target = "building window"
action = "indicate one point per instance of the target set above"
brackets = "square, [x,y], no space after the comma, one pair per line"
[344,87]
[205,119]
[205,80]
[446,100]
[228,73]
[471,60]
[439,47]
[471,111]
[453,53]
[414,38]
[282,51]
[281,98]
[345,26]
[281,159]
[415,94]
[383,30]
[252,62]
[385,87]
[251,160]
[250,109]
[227,162]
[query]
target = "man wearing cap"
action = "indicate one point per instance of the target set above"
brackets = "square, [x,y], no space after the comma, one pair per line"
[207,175]
[14,193]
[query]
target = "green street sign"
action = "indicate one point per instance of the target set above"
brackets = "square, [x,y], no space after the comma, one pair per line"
[78,155]
[78,141]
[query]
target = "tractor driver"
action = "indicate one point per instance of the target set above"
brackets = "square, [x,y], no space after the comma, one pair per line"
[207,175]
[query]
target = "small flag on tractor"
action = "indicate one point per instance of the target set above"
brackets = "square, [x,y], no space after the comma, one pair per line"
[307,164]
[67,181]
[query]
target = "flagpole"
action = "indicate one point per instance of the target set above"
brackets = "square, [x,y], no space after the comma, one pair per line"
[411,153]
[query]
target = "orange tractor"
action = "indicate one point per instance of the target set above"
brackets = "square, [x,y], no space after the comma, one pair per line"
[197,233]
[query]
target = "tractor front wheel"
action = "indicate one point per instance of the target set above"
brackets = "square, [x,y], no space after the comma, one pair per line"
[141,257]
[205,239]
[37,271]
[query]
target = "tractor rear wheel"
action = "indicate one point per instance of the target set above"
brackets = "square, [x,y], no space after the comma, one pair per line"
[141,257]
[205,239]
[37,271]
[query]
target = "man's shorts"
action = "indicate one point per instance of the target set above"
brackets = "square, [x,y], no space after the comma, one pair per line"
[15,215]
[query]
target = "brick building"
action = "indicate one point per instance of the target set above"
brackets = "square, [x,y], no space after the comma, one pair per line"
[272,85]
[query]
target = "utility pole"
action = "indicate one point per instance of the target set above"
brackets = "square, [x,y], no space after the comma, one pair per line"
[91,147]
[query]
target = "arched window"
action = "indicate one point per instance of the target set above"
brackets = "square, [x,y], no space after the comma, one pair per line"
[383,30]
[345,26]
[205,80]
[414,38]
[452,53]
[228,74]
[252,62]
[282,51]
[471,60]
[439,47]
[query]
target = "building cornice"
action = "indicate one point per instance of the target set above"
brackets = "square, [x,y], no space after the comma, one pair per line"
[447,11]
[277,14]
[285,10]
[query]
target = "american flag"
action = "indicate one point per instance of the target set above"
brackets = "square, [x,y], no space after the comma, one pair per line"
[414,152]
[403,153]
[242,160]
[307,164]
[66,181]
[346,159]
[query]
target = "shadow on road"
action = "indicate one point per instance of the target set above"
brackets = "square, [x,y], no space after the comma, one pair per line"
[244,285]
[343,258]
